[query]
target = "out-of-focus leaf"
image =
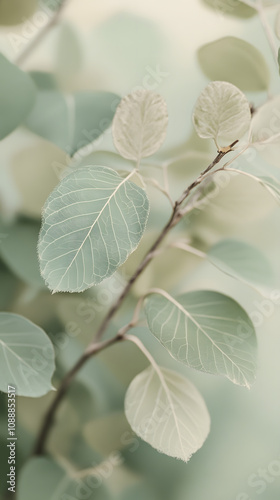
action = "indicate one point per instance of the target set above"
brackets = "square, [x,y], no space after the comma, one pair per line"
[17,96]
[16,11]
[44,475]
[72,121]
[232,8]
[107,433]
[243,262]
[19,251]
[236,61]
[26,356]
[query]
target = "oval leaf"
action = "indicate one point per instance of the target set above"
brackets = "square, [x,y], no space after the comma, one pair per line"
[207,331]
[243,262]
[17,96]
[92,221]
[236,61]
[140,124]
[72,121]
[26,356]
[168,412]
[16,12]
[222,113]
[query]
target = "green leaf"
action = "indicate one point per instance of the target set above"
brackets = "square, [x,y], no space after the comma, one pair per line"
[140,124]
[69,54]
[236,61]
[243,262]
[207,331]
[72,121]
[92,221]
[19,251]
[26,356]
[17,96]
[232,8]
[16,11]
[222,113]
[167,411]
[44,475]
[44,80]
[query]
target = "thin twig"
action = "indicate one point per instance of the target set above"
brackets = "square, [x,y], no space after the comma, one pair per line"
[97,346]
[49,417]
[40,35]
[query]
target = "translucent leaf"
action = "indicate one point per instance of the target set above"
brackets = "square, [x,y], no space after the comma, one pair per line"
[17,96]
[236,61]
[72,121]
[207,331]
[168,412]
[92,221]
[16,11]
[222,113]
[244,262]
[44,475]
[26,356]
[140,124]
[231,7]
[19,251]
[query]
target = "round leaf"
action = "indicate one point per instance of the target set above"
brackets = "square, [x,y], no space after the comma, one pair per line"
[26,356]
[222,113]
[92,221]
[236,61]
[140,124]
[207,331]
[168,412]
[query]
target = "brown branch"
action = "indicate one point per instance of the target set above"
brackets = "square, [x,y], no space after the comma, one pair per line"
[49,417]
[96,346]
[40,35]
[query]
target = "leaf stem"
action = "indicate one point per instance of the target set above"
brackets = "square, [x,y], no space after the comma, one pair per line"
[97,345]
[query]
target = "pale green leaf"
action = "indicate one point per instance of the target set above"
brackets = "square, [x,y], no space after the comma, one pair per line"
[167,411]
[45,477]
[72,121]
[69,54]
[140,124]
[243,262]
[19,251]
[92,221]
[207,331]
[26,356]
[17,96]
[222,113]
[231,7]
[236,61]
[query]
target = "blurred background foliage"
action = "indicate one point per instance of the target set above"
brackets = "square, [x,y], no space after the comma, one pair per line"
[117,46]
